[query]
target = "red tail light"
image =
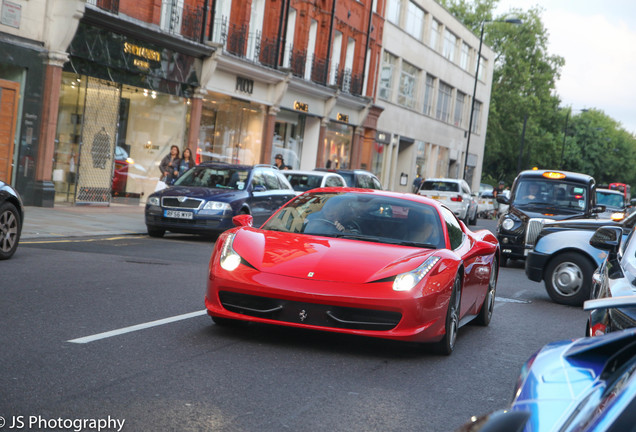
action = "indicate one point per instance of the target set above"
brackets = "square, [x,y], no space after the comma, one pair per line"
[578,197]
[458,198]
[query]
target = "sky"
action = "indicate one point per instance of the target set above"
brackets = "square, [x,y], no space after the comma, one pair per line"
[597,39]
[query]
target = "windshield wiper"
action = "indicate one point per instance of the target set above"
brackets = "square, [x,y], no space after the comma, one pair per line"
[417,244]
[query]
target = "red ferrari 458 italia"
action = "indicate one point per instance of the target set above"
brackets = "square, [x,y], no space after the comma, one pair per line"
[358,261]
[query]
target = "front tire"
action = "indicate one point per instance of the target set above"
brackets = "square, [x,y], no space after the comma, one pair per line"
[568,279]
[10,230]
[487,308]
[447,344]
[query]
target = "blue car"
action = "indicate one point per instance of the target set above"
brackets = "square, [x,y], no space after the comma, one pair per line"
[583,385]
[205,198]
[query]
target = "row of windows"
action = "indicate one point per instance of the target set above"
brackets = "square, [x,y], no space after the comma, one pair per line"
[414,19]
[439,100]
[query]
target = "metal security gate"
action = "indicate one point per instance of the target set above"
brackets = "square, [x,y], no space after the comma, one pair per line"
[99,129]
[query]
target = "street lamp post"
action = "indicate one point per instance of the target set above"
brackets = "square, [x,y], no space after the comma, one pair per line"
[472,102]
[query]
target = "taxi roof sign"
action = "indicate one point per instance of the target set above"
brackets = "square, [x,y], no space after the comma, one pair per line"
[553,175]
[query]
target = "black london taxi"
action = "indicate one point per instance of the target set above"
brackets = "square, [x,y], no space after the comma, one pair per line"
[538,197]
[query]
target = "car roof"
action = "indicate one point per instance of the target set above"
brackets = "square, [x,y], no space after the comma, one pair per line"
[610,191]
[570,176]
[451,180]
[307,172]
[237,166]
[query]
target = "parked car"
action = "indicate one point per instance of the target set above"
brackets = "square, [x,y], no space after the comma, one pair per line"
[614,202]
[537,197]
[565,260]
[614,304]
[371,263]
[205,198]
[453,193]
[357,178]
[303,181]
[11,220]
[582,385]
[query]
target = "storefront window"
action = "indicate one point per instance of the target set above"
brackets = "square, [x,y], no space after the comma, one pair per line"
[337,146]
[288,137]
[111,139]
[231,131]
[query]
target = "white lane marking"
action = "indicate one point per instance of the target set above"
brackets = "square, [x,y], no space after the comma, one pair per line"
[120,331]
[511,300]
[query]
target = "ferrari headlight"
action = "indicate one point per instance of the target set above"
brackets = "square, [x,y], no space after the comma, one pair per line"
[216,205]
[507,224]
[153,201]
[406,281]
[229,260]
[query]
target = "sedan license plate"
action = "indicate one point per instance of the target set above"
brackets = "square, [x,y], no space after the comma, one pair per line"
[435,197]
[178,214]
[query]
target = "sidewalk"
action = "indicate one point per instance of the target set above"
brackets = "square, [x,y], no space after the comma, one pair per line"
[76,221]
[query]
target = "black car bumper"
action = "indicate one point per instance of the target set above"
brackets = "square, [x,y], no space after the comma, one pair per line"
[535,265]
[512,246]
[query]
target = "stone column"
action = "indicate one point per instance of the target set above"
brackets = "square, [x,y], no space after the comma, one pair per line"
[268,134]
[196,105]
[44,189]
[320,154]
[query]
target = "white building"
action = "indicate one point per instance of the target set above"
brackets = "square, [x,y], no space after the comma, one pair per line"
[425,87]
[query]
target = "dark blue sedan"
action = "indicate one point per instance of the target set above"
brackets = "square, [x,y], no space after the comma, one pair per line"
[205,198]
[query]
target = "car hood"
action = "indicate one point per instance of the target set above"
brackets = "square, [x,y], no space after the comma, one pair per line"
[580,224]
[200,192]
[562,376]
[530,213]
[323,258]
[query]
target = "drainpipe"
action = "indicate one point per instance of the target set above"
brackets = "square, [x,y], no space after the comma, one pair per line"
[333,14]
[280,30]
[366,47]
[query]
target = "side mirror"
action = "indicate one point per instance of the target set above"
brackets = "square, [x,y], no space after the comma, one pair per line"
[241,220]
[502,199]
[607,238]
[599,209]
[632,202]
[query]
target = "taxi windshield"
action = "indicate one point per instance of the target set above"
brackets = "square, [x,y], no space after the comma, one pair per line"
[555,194]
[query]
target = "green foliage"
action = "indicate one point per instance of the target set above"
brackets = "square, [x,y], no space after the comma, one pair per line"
[524,89]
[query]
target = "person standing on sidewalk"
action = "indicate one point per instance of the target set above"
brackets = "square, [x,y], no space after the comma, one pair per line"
[169,166]
[186,161]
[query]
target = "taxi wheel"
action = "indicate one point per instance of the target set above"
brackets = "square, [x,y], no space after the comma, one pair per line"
[568,279]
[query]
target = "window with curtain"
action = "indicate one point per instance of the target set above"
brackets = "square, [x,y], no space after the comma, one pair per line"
[408,85]
[414,21]
[444,102]
[389,62]
[450,41]
[434,36]
[476,117]
[429,94]
[464,56]
[393,8]
[459,109]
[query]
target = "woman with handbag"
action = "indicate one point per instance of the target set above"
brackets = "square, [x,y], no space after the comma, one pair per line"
[169,166]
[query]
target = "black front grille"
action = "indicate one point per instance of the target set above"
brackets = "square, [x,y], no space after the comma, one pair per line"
[181,202]
[309,313]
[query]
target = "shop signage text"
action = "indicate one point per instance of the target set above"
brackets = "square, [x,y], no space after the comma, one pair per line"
[301,106]
[244,85]
[343,117]
[11,14]
[139,51]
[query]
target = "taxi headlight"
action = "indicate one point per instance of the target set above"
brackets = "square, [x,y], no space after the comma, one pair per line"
[508,224]
[406,281]
[229,259]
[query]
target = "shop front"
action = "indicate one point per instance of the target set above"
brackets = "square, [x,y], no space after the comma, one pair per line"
[123,104]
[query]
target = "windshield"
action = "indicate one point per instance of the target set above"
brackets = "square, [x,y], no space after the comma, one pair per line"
[304,182]
[609,199]
[361,217]
[553,194]
[214,177]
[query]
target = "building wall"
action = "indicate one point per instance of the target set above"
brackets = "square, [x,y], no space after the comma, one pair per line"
[413,123]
